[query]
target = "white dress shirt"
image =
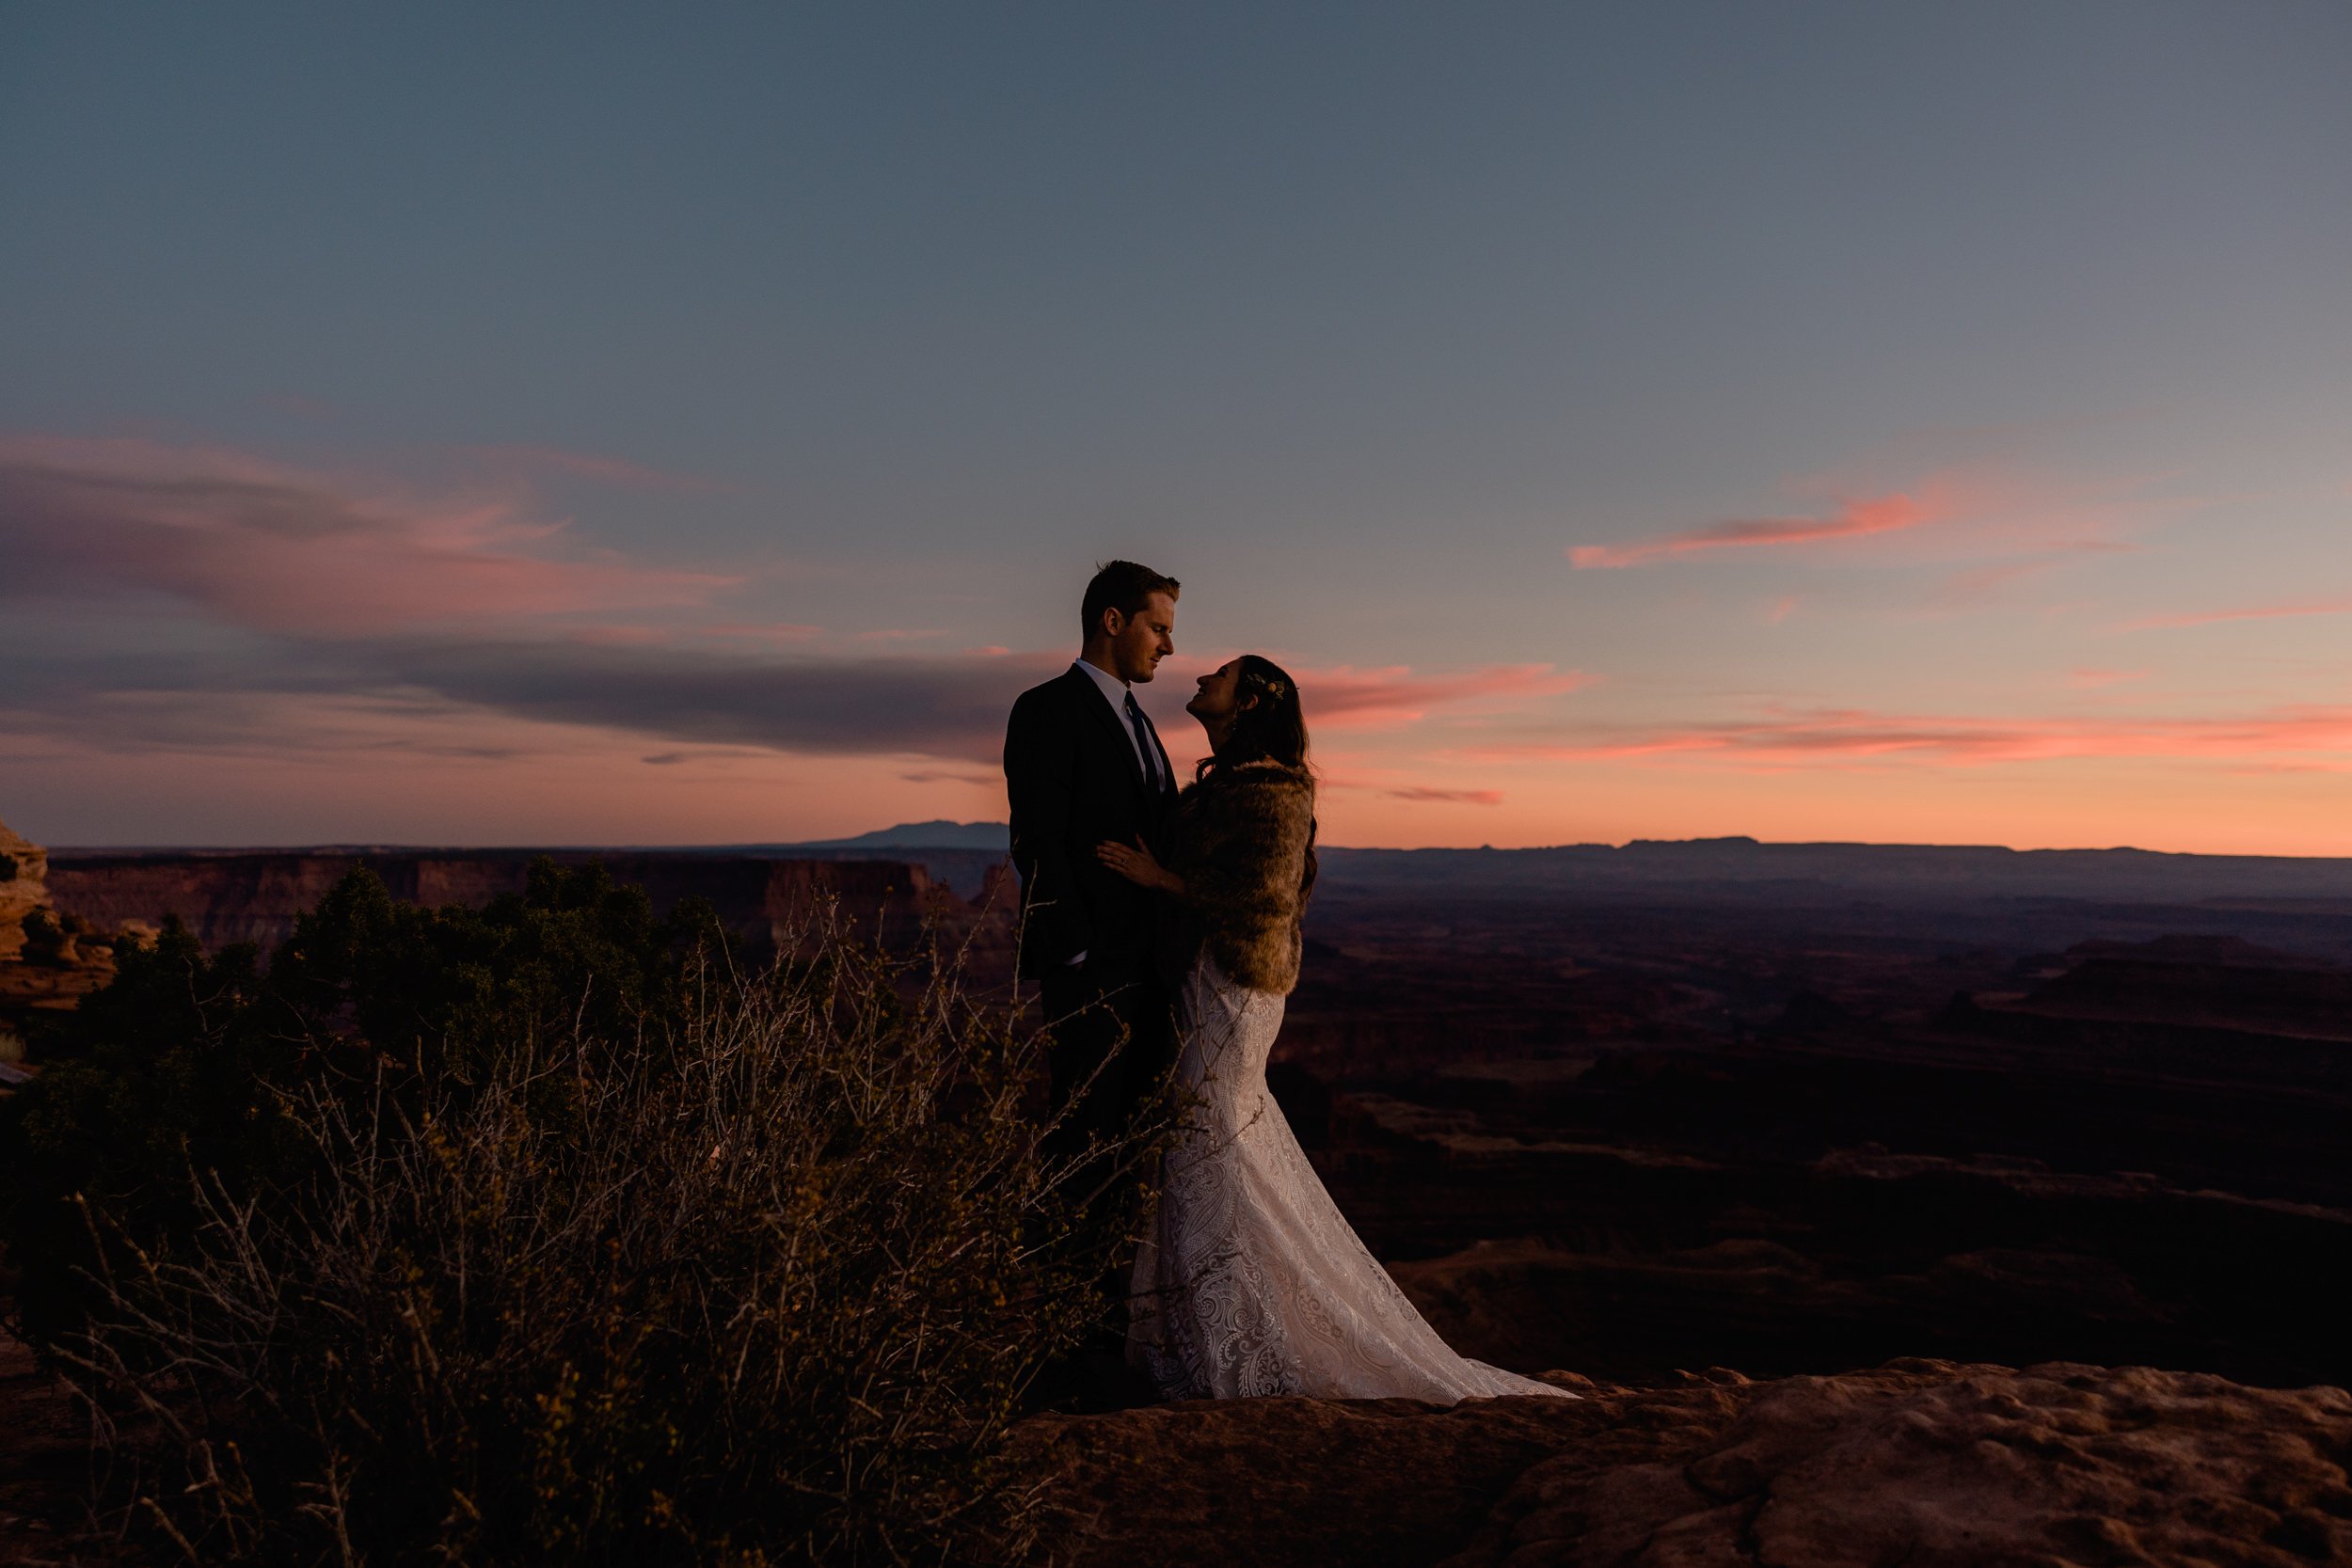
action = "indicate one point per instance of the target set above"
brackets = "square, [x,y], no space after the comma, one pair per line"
[1116,692]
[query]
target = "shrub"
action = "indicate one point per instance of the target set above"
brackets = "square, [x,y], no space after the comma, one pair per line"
[758,1276]
[178,1063]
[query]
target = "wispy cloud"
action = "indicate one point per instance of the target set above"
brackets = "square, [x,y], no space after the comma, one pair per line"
[1447,796]
[1854,519]
[674,759]
[299,694]
[322,610]
[1854,735]
[779,633]
[2001,527]
[279,550]
[926,776]
[2094,679]
[950,706]
[945,707]
[2248,612]
[1343,696]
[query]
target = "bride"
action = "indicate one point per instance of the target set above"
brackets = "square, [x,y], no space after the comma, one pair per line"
[1248,1280]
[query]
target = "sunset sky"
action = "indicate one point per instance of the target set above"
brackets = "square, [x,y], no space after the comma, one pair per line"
[514,424]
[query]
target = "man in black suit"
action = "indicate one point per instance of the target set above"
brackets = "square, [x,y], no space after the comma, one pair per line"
[1083,765]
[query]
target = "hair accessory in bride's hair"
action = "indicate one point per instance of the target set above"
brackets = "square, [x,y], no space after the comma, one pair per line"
[1273,687]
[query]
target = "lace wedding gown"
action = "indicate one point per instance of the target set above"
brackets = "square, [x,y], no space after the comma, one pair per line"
[1249,1280]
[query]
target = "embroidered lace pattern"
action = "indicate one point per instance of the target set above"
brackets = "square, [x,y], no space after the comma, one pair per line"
[1250,1279]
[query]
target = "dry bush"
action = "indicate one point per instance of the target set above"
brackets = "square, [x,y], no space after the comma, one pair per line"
[767,1287]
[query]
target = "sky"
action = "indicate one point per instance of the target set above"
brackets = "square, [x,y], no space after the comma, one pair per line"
[579,424]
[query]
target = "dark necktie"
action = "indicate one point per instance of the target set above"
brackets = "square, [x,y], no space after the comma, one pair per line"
[1144,748]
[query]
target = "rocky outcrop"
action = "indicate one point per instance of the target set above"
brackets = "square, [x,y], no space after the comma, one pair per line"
[49,958]
[1289,1480]
[23,872]
[1922,1462]
[1932,1466]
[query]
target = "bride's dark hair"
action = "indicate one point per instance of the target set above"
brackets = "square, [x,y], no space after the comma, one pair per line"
[1269,725]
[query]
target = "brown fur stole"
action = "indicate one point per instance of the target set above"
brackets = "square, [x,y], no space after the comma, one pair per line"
[1239,839]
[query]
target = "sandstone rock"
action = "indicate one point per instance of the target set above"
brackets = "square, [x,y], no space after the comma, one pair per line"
[57,969]
[1929,1465]
[1240,1483]
[1922,1462]
[23,872]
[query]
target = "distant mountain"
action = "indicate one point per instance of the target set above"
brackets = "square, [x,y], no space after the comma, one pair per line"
[1745,869]
[939,834]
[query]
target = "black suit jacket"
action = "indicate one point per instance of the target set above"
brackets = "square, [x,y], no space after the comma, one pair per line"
[1072,774]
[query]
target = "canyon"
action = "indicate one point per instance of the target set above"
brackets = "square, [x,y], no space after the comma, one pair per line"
[255,896]
[1793,1109]
[1884,1204]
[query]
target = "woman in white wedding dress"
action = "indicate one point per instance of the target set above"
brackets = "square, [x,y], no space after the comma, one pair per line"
[1248,1280]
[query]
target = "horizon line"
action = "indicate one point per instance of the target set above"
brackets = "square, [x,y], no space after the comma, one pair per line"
[893,851]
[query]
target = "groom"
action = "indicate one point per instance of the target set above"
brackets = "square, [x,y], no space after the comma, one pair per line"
[1082,765]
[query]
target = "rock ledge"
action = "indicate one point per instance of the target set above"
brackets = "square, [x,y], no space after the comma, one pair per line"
[1927,1464]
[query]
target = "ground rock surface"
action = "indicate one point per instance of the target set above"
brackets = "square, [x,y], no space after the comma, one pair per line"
[1284,1481]
[1917,1463]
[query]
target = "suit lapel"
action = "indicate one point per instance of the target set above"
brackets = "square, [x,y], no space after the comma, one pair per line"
[1090,697]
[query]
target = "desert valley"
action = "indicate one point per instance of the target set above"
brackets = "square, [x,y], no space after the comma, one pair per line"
[1762,1147]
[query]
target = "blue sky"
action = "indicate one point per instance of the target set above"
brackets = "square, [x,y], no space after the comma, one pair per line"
[1954,404]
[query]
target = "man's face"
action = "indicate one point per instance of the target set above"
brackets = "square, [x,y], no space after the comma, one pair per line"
[1143,639]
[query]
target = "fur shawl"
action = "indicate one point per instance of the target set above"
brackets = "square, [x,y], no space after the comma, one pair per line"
[1239,838]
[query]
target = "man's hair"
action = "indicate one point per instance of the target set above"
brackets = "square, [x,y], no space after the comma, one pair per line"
[1124,586]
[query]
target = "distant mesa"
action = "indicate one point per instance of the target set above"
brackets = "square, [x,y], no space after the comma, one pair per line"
[1780,875]
[967,856]
[937,834]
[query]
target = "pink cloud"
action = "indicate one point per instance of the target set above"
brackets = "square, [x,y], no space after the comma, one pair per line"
[619,637]
[1853,734]
[2020,523]
[783,633]
[2251,612]
[1852,519]
[2092,680]
[282,549]
[987,780]
[1343,696]
[1448,797]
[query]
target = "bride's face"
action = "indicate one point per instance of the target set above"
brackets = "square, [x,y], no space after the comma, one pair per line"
[1213,703]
